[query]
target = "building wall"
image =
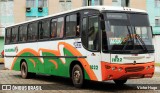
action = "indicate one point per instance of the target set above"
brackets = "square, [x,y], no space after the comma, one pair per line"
[6,18]
[53,6]
[140,4]
[107,2]
[153,13]
[19,10]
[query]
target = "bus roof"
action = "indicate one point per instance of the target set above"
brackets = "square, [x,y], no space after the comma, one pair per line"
[100,8]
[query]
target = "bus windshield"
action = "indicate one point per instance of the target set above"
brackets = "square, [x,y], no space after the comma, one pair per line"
[129,33]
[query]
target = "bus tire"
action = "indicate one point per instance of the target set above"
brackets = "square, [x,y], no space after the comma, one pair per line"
[24,70]
[120,82]
[77,76]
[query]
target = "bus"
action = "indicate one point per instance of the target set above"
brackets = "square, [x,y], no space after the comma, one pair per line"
[96,43]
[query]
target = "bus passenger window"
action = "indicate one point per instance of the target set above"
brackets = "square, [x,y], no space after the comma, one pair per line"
[72,25]
[60,27]
[44,29]
[14,35]
[8,35]
[32,31]
[54,28]
[23,33]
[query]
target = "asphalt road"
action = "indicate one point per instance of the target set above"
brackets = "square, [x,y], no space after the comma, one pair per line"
[53,84]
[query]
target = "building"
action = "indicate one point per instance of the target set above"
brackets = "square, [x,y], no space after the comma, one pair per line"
[31,9]
[153,8]
[6,18]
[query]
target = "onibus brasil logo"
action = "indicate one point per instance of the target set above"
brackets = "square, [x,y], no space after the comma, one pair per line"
[15,49]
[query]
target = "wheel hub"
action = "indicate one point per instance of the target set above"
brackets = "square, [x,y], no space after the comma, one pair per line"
[77,76]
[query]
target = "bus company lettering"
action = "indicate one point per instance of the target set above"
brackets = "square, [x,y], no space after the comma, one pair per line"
[15,49]
[115,41]
[77,44]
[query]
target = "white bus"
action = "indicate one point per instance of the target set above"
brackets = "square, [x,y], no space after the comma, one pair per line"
[96,43]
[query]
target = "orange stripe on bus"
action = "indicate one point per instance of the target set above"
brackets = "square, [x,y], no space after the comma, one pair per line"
[34,63]
[49,51]
[13,63]
[24,51]
[28,50]
[85,64]
[55,63]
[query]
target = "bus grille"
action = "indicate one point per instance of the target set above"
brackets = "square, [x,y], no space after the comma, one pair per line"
[134,69]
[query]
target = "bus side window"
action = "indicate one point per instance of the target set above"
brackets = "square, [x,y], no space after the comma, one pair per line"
[72,25]
[93,33]
[23,33]
[8,35]
[14,35]
[40,29]
[84,33]
[44,29]
[32,31]
[60,27]
[53,28]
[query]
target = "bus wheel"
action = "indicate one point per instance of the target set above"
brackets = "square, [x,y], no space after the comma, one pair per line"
[77,76]
[120,82]
[24,70]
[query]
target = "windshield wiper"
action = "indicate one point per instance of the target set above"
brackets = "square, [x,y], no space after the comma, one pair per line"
[128,40]
[142,42]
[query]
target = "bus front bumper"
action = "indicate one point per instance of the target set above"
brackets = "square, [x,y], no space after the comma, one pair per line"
[126,71]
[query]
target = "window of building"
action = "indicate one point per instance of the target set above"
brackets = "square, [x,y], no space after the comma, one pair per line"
[125,3]
[92,2]
[157,22]
[157,3]
[6,14]
[14,36]
[98,2]
[54,28]
[44,29]
[8,35]
[65,5]
[23,33]
[32,31]
[71,25]
[42,3]
[30,3]
[115,2]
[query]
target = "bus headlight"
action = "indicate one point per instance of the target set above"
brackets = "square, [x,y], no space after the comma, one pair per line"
[147,67]
[152,66]
[120,69]
[113,68]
